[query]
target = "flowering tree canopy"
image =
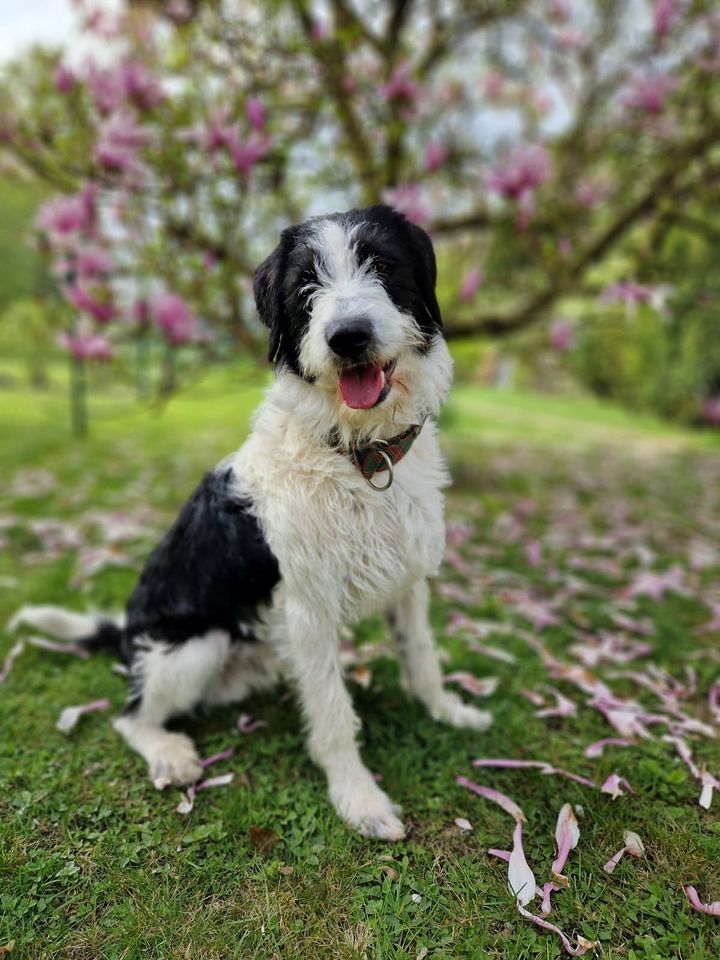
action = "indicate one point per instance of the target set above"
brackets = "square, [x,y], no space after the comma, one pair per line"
[552,148]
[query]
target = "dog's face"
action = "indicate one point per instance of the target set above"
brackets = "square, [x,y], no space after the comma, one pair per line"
[350,303]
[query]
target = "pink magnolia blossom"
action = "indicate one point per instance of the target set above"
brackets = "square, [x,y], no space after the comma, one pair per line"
[522,172]
[255,112]
[710,411]
[494,85]
[472,281]
[435,155]
[92,301]
[64,79]
[120,138]
[70,715]
[596,749]
[647,93]
[247,154]
[571,38]
[583,945]
[401,88]
[246,724]
[590,193]
[92,261]
[64,216]
[179,11]
[666,13]
[174,317]
[106,88]
[633,845]
[139,85]
[628,292]
[86,346]
[561,336]
[408,199]
[15,651]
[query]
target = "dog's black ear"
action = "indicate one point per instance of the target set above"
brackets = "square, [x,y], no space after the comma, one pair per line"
[425,269]
[268,297]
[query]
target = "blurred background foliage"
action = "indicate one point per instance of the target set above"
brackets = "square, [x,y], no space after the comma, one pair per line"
[565,157]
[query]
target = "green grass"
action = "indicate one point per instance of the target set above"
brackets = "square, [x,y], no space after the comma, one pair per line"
[95,863]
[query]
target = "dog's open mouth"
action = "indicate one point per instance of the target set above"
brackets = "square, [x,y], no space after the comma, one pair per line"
[366,385]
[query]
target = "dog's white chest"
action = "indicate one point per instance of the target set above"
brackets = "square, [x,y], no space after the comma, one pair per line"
[341,545]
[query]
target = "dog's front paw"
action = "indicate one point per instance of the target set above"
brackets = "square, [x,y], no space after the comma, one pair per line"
[175,762]
[368,809]
[451,709]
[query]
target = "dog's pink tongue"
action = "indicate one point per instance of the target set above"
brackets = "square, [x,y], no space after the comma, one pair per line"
[361,386]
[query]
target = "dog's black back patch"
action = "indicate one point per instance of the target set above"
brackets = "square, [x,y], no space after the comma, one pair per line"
[212,570]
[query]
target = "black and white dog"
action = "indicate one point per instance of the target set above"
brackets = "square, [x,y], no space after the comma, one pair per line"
[330,511]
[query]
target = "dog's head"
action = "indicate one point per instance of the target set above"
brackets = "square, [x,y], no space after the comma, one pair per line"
[350,303]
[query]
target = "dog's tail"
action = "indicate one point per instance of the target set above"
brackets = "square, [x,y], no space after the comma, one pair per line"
[93,632]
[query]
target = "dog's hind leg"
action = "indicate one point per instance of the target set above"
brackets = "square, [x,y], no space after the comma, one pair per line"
[421,673]
[167,680]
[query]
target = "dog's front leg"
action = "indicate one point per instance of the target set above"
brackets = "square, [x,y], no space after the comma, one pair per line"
[410,627]
[332,724]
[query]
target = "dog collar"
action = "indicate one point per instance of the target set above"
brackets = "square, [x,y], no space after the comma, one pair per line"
[381,456]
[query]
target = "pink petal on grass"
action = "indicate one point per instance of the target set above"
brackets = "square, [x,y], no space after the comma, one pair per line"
[56,646]
[709,783]
[547,890]
[596,749]
[508,805]
[521,879]
[614,860]
[188,800]
[714,701]
[713,909]
[583,945]
[477,686]
[500,854]
[217,757]
[220,781]
[564,706]
[567,835]
[14,653]
[684,753]
[616,786]
[540,765]
[246,724]
[70,715]
[462,823]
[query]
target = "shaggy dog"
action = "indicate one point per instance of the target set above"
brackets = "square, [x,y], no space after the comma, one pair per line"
[332,510]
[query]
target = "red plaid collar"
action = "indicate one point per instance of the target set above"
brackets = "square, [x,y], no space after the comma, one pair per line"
[381,456]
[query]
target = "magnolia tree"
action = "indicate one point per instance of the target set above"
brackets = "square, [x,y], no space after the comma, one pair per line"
[552,148]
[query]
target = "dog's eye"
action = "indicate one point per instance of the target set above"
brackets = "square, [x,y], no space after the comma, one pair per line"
[381,266]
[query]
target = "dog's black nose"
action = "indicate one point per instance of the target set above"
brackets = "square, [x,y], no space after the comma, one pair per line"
[349,338]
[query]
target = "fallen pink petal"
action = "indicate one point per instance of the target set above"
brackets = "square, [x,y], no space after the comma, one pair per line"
[508,805]
[596,749]
[609,867]
[500,854]
[616,786]
[220,781]
[218,757]
[521,879]
[477,686]
[70,715]
[583,945]
[712,909]
[547,890]
[462,823]
[567,835]
[246,724]
[15,651]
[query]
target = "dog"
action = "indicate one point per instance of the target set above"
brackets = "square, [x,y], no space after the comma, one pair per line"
[331,510]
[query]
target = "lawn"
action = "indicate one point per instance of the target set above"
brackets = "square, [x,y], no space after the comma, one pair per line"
[576,531]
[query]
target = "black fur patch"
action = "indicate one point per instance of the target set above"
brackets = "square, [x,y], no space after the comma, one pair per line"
[402,251]
[212,570]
